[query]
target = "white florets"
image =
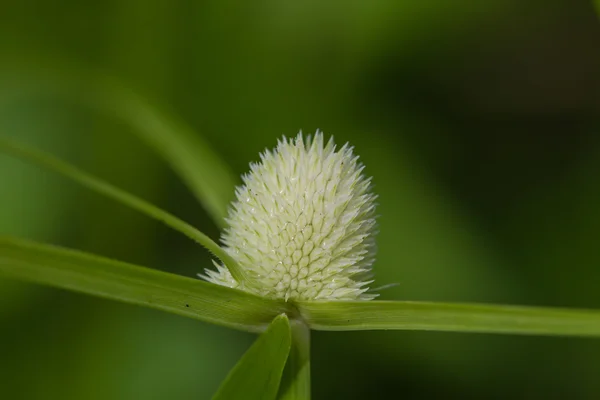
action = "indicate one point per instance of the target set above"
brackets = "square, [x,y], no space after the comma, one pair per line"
[303,224]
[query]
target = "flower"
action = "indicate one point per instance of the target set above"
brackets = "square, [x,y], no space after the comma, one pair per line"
[303,224]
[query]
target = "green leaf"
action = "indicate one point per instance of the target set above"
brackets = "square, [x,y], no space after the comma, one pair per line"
[405,315]
[106,189]
[258,373]
[206,174]
[295,383]
[85,273]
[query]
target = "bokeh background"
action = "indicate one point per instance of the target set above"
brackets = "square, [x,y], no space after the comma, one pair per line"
[477,119]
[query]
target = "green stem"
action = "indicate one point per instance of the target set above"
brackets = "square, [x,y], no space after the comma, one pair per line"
[295,384]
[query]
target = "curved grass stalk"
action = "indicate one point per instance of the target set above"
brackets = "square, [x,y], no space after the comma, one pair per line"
[205,173]
[108,190]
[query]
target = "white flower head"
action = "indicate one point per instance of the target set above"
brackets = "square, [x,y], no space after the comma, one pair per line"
[303,224]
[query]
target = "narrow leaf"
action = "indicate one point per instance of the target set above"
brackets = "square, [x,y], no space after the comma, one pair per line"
[206,174]
[295,383]
[106,189]
[85,273]
[406,315]
[258,373]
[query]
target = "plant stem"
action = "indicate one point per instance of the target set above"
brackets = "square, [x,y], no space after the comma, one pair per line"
[295,384]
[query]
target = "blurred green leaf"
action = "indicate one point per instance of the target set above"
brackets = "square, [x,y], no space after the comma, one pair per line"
[258,373]
[121,196]
[206,174]
[295,383]
[86,273]
[21,211]
[406,315]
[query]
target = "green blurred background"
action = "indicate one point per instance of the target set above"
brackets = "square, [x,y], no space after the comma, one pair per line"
[477,119]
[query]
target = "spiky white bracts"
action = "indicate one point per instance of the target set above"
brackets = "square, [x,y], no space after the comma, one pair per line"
[303,224]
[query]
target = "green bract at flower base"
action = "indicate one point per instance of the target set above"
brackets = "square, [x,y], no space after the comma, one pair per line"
[299,246]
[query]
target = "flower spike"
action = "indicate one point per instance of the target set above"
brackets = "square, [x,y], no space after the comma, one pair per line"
[303,224]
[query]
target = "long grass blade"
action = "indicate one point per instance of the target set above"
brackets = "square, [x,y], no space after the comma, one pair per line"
[108,190]
[97,276]
[405,315]
[258,373]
